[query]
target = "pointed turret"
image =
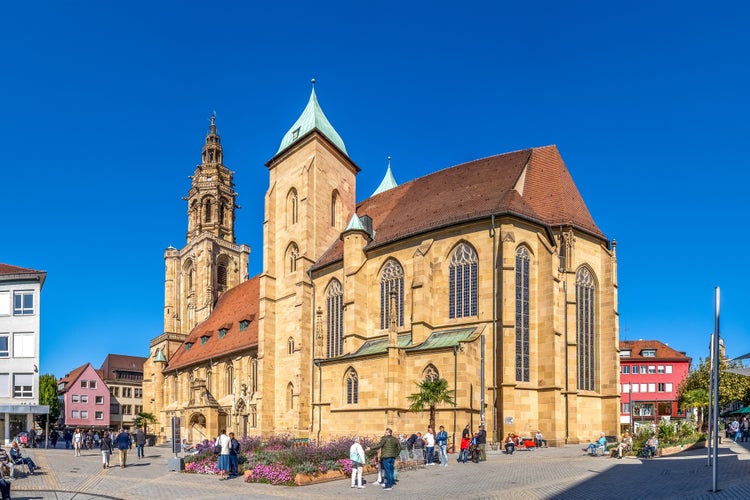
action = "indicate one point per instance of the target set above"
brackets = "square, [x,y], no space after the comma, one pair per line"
[312,118]
[388,182]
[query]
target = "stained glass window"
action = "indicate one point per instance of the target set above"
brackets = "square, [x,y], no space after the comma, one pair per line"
[585,328]
[462,285]
[391,280]
[523,264]
[335,319]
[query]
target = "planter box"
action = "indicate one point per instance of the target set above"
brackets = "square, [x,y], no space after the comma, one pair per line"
[331,475]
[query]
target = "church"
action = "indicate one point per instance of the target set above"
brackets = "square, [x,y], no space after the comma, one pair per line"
[491,275]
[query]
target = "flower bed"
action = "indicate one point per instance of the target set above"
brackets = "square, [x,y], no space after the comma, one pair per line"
[281,460]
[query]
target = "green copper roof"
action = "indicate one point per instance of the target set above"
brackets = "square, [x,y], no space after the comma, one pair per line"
[312,118]
[380,346]
[355,224]
[445,338]
[388,182]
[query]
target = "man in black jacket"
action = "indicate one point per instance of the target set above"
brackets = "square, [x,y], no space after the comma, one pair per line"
[481,443]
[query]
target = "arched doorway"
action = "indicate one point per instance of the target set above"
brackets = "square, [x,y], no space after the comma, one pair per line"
[196,429]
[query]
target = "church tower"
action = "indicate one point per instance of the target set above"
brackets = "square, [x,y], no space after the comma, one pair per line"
[211,262]
[310,199]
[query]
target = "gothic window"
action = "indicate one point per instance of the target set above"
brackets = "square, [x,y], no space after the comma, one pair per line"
[221,275]
[222,208]
[229,379]
[209,380]
[352,387]
[292,253]
[290,345]
[292,207]
[523,264]
[290,396]
[586,328]
[253,416]
[207,211]
[335,319]
[188,274]
[391,280]
[462,286]
[431,373]
[336,209]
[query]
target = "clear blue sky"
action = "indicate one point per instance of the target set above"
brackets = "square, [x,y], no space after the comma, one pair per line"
[106,108]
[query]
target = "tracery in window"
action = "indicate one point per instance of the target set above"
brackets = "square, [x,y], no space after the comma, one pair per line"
[586,328]
[462,286]
[334,319]
[391,282]
[523,265]
[292,207]
[431,373]
[292,253]
[352,387]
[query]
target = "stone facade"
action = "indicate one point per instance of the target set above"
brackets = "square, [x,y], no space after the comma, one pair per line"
[491,275]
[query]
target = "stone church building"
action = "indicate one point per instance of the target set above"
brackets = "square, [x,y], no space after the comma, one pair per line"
[491,275]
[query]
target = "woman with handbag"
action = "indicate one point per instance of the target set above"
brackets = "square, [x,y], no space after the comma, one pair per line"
[221,446]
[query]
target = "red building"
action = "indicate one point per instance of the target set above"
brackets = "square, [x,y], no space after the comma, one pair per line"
[650,374]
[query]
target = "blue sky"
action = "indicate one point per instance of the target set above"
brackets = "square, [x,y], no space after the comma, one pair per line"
[107,104]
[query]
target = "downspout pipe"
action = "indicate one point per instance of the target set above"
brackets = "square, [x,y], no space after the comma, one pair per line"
[312,343]
[496,340]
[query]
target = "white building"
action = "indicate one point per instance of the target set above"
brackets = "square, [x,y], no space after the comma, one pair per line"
[20,291]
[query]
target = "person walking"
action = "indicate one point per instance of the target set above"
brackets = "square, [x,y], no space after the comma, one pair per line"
[389,449]
[222,443]
[140,442]
[77,441]
[357,456]
[105,445]
[442,443]
[123,443]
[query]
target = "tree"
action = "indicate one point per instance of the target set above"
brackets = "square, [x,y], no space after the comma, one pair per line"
[698,399]
[48,396]
[432,392]
[142,419]
[732,387]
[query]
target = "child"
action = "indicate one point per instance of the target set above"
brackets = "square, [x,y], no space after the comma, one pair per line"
[463,455]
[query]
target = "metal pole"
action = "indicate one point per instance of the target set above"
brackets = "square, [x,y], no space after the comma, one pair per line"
[481,415]
[716,389]
[710,421]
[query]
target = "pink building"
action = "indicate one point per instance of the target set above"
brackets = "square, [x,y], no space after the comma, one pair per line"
[650,375]
[85,397]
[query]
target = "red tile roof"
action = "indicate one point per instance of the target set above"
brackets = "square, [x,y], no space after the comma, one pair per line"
[663,351]
[8,270]
[120,362]
[237,304]
[71,377]
[475,190]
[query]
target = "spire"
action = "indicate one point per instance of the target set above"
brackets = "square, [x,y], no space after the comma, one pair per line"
[388,181]
[312,118]
[212,151]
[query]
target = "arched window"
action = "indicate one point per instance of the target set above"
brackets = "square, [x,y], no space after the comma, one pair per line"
[334,319]
[431,373]
[352,387]
[523,264]
[290,396]
[253,416]
[336,209]
[292,207]
[175,388]
[229,379]
[207,211]
[221,275]
[222,209]
[188,274]
[391,282]
[586,328]
[290,345]
[292,253]
[209,381]
[462,287]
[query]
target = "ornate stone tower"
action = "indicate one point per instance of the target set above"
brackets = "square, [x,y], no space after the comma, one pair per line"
[211,262]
